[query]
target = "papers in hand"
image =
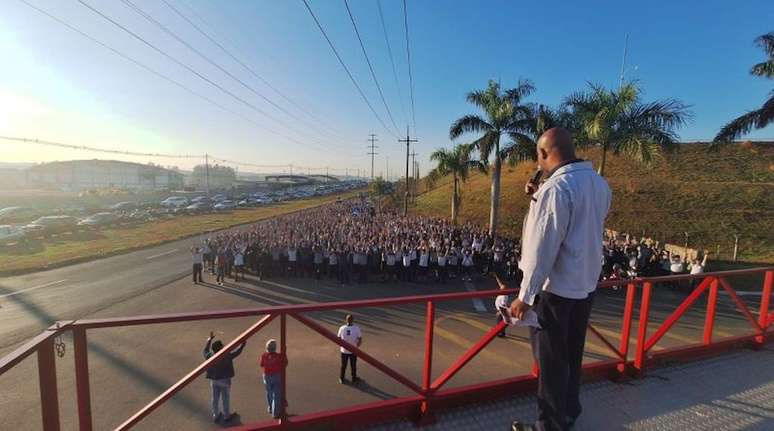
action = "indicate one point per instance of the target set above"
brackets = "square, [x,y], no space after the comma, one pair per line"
[530,320]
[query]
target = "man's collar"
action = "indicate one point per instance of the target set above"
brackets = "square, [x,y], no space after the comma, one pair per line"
[568,166]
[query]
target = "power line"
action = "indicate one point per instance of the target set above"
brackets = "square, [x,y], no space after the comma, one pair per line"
[392,60]
[172,34]
[370,67]
[411,76]
[153,71]
[346,69]
[241,63]
[100,150]
[158,155]
[189,68]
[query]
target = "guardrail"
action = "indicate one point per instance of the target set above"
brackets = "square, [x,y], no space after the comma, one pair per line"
[430,395]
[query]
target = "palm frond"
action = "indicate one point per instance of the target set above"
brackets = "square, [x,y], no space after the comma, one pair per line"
[766,42]
[523,89]
[765,69]
[737,127]
[766,113]
[469,124]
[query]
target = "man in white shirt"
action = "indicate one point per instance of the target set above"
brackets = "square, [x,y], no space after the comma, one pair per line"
[561,260]
[351,334]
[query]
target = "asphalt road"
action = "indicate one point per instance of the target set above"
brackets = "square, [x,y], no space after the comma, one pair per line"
[130,366]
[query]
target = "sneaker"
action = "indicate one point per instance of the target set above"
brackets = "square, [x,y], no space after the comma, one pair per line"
[355,379]
[227,418]
[518,426]
[342,381]
[216,418]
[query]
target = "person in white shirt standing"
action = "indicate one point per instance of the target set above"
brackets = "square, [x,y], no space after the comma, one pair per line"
[351,334]
[561,259]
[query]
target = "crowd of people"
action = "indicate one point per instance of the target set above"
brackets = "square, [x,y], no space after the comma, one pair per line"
[628,257]
[350,242]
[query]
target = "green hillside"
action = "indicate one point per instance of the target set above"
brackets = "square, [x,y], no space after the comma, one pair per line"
[710,195]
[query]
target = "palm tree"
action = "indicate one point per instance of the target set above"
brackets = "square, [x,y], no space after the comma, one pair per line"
[618,120]
[534,121]
[503,114]
[456,162]
[764,116]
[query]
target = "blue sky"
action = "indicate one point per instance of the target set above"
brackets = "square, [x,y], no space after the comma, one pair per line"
[57,85]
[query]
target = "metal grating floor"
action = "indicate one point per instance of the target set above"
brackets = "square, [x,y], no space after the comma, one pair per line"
[731,392]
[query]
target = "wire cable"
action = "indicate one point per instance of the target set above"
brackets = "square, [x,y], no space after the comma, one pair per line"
[172,34]
[346,69]
[411,76]
[392,60]
[370,67]
[190,69]
[153,71]
[243,64]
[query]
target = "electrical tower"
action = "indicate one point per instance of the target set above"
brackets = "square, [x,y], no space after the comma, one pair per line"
[408,142]
[372,153]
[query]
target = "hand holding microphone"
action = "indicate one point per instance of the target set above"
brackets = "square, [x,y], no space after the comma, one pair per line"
[533,183]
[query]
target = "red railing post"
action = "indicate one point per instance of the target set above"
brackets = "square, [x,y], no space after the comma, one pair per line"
[82,389]
[426,416]
[283,383]
[642,329]
[626,326]
[49,396]
[709,319]
[763,316]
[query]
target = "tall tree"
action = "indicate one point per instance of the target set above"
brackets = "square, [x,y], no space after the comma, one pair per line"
[457,163]
[533,122]
[620,121]
[504,113]
[763,116]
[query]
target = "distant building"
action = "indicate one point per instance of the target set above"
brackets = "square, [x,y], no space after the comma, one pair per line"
[98,174]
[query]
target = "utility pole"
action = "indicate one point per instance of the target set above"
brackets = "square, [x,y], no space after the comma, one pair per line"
[326,174]
[207,172]
[408,142]
[387,170]
[414,181]
[371,153]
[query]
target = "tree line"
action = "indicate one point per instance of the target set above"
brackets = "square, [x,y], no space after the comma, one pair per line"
[507,127]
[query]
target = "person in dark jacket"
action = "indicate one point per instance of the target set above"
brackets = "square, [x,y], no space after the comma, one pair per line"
[220,374]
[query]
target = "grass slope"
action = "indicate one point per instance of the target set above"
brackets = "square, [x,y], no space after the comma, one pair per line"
[710,195]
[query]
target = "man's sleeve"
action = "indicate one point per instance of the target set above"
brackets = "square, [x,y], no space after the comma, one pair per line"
[544,231]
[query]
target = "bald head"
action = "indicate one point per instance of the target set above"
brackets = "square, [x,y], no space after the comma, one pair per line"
[555,147]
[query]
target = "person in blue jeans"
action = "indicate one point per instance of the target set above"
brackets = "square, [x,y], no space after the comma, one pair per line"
[219,374]
[272,364]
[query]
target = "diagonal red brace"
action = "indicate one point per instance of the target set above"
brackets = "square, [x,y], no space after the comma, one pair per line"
[678,313]
[467,356]
[360,354]
[740,305]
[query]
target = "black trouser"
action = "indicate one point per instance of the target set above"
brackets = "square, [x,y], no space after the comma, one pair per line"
[197,272]
[558,349]
[352,365]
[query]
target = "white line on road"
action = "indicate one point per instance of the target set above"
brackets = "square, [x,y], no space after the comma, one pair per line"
[33,288]
[161,254]
[746,293]
[478,304]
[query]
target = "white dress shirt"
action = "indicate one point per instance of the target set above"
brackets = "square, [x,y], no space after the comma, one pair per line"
[562,237]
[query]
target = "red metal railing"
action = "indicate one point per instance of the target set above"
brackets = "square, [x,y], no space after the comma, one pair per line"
[430,395]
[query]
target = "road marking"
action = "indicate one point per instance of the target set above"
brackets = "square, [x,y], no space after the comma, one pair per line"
[161,254]
[466,344]
[478,304]
[746,293]
[33,288]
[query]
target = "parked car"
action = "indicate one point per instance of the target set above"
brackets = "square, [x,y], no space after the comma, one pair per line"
[17,214]
[99,219]
[225,205]
[123,206]
[198,207]
[202,198]
[51,224]
[11,234]
[175,202]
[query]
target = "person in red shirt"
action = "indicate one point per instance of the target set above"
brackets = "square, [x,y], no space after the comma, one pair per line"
[272,363]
